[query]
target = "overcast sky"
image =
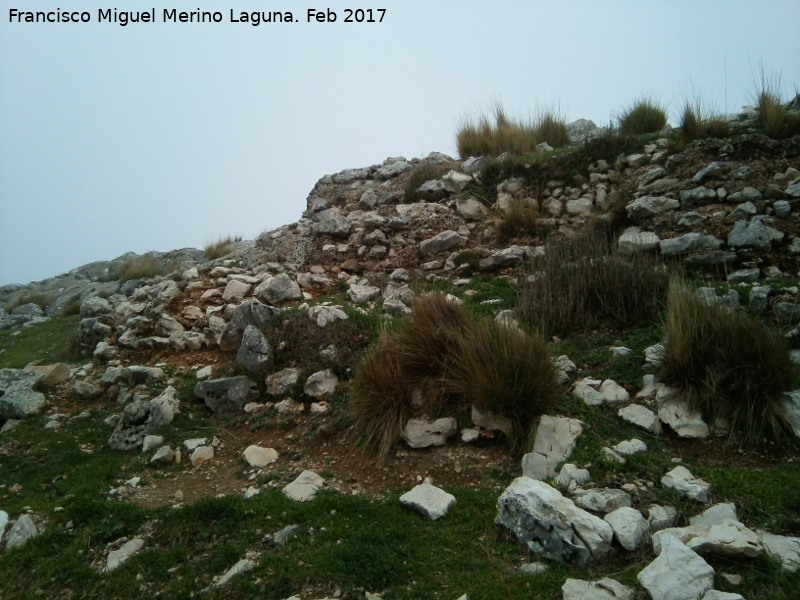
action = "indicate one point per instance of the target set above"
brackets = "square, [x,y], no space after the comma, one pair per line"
[158,136]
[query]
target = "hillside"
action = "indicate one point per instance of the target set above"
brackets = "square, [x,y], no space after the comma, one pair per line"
[265,406]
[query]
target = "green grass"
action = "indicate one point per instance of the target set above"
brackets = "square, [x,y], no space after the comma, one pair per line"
[49,342]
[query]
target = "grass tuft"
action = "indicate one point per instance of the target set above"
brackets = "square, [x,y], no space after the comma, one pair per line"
[728,364]
[141,267]
[584,282]
[505,371]
[40,299]
[220,248]
[440,363]
[492,136]
[646,115]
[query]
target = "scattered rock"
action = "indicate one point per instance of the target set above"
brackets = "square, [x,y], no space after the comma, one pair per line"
[259,457]
[305,487]
[682,481]
[423,433]
[555,439]
[677,574]
[551,525]
[428,499]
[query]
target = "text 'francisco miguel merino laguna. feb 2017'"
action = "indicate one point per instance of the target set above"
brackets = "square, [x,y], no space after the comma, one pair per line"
[172,15]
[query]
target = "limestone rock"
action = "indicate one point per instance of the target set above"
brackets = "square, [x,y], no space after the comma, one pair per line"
[630,527]
[141,417]
[279,288]
[555,439]
[786,548]
[490,421]
[259,457]
[446,240]
[571,476]
[201,455]
[21,531]
[53,374]
[18,399]
[163,456]
[604,500]
[281,382]
[242,566]
[116,558]
[632,241]
[428,499]
[305,487]
[675,412]
[661,517]
[551,525]
[422,433]
[648,206]
[682,481]
[321,385]
[641,417]
[236,290]
[677,574]
[255,353]
[363,293]
[226,393]
[323,315]
[605,589]
[585,389]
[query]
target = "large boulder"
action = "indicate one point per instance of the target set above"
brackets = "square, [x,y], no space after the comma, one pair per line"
[255,353]
[280,288]
[18,399]
[551,525]
[555,439]
[678,573]
[141,418]
[226,393]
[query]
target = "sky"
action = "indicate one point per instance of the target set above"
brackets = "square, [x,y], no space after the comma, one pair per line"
[157,136]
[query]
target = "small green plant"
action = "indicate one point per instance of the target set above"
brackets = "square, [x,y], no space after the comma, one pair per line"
[728,364]
[220,248]
[585,282]
[646,115]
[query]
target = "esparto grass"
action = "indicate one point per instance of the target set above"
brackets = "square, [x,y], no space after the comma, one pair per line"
[728,364]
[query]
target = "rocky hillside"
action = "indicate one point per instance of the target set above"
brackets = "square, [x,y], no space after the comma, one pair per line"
[229,378]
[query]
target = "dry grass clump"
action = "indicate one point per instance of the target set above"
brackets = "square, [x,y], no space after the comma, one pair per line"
[40,299]
[646,115]
[728,364]
[584,282]
[492,136]
[521,219]
[440,363]
[423,173]
[774,118]
[220,248]
[505,371]
[141,267]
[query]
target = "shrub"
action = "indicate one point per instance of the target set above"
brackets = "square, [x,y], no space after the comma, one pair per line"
[584,282]
[644,116]
[508,372]
[728,364]
[220,248]
[494,136]
[440,362]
